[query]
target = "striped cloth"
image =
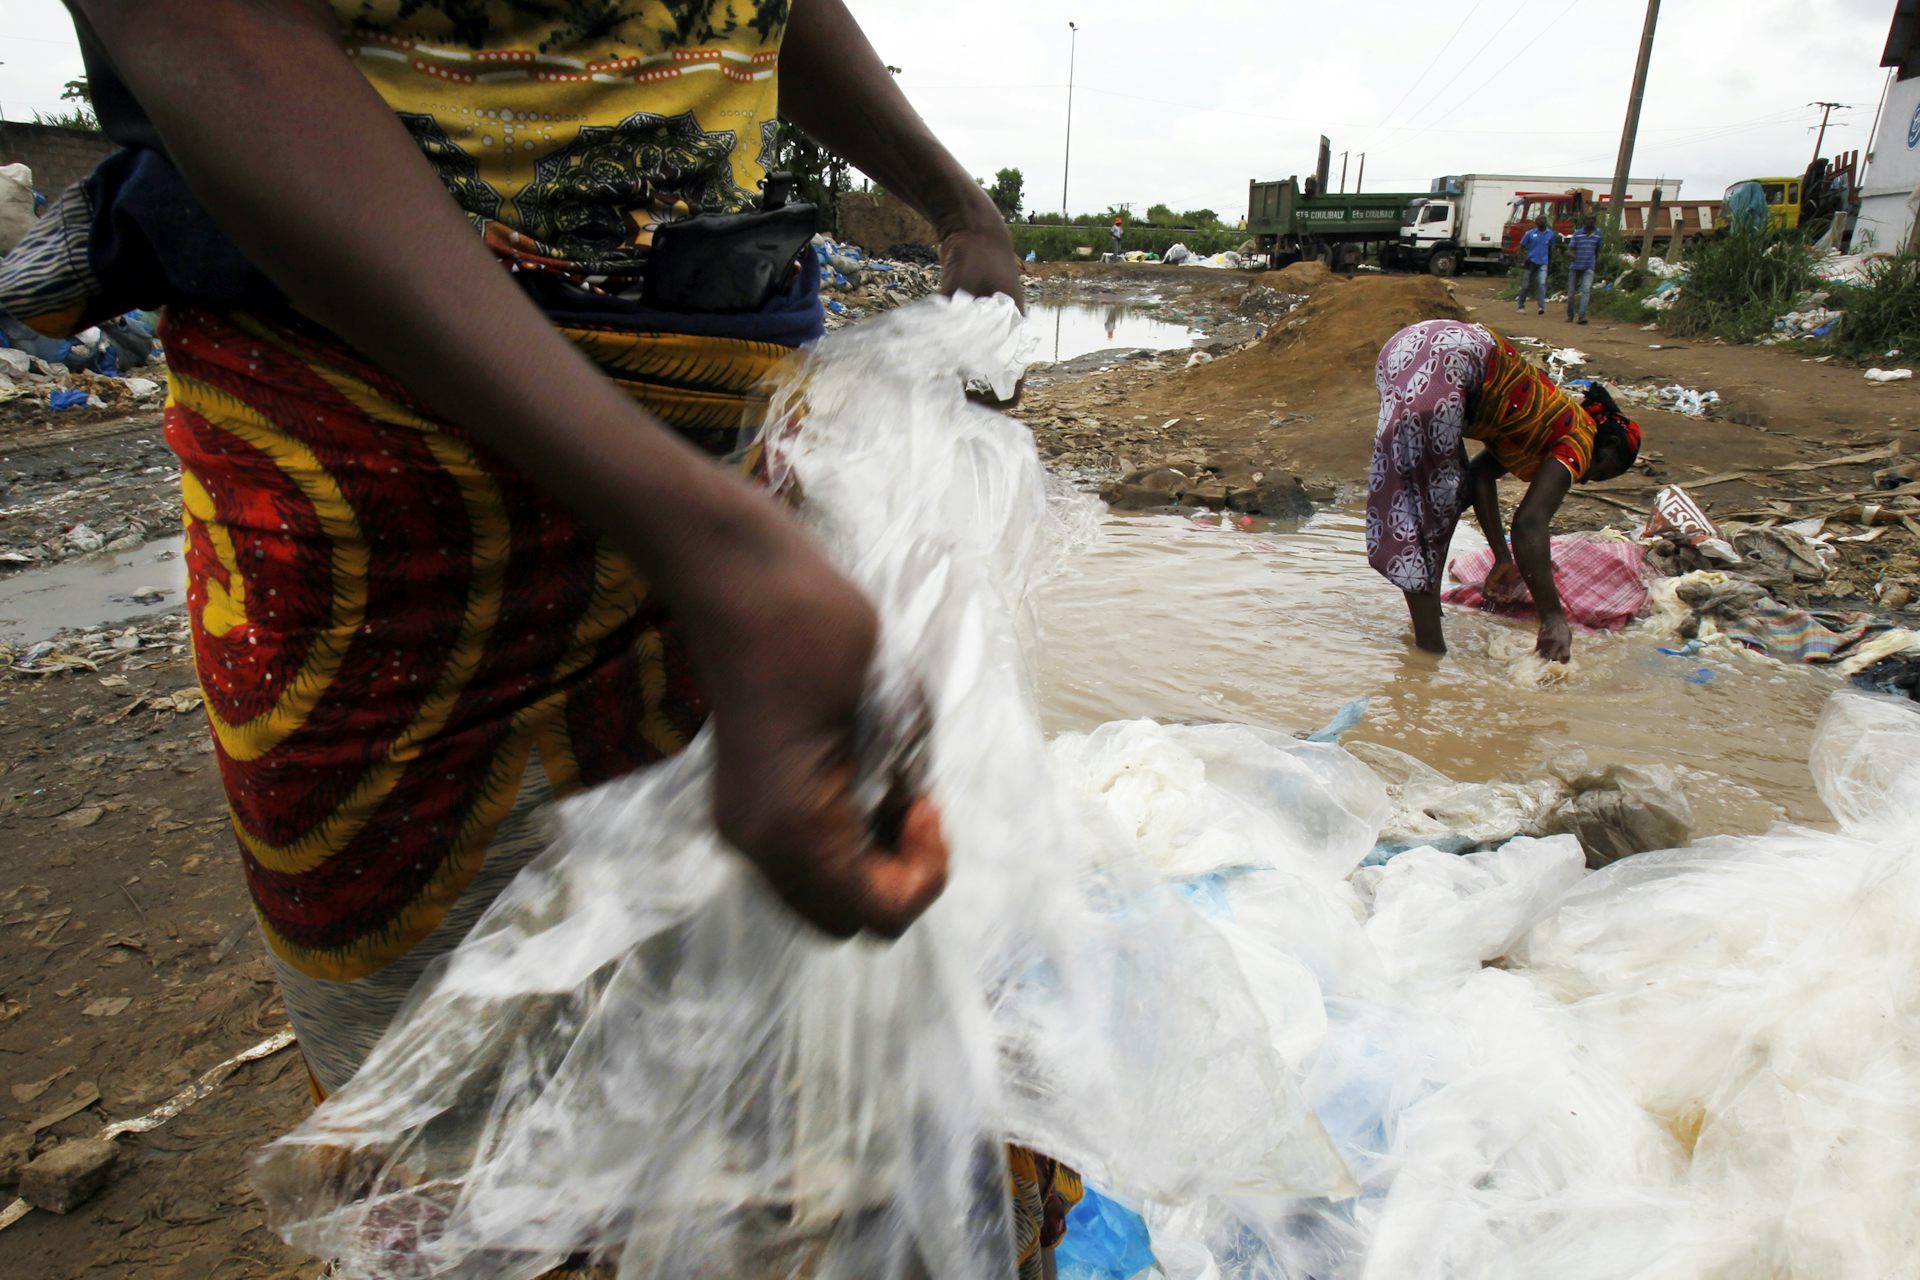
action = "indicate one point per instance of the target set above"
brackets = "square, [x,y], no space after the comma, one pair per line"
[1790,634]
[1603,585]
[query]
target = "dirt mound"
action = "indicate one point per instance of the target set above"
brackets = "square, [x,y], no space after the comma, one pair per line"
[1334,340]
[1300,277]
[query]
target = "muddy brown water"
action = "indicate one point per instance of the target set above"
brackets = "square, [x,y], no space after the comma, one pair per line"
[92,592]
[1062,331]
[1170,619]
[1166,619]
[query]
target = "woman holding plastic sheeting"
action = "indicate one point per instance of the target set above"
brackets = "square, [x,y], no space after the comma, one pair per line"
[509,279]
[1442,383]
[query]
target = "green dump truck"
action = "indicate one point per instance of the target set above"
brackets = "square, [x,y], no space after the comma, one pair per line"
[1290,220]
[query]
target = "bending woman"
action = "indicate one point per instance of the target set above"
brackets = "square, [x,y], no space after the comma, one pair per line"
[1442,383]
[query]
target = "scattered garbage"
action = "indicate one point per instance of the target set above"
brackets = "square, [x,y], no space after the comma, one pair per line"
[1688,402]
[1675,511]
[1850,268]
[1815,322]
[1888,375]
[854,285]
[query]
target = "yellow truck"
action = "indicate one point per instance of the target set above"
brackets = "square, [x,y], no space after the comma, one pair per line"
[1827,188]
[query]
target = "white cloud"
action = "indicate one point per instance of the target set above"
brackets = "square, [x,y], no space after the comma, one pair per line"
[1185,104]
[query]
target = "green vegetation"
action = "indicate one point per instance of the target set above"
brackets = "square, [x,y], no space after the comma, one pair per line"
[1739,282]
[1882,315]
[1057,243]
[1008,192]
[80,115]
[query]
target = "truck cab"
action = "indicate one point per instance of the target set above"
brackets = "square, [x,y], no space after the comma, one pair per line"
[1782,196]
[1428,237]
[1564,210]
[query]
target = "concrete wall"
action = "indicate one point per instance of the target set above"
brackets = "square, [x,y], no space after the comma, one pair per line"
[1893,173]
[58,156]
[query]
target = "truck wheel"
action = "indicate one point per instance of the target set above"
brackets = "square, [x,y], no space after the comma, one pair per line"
[1322,254]
[1444,263]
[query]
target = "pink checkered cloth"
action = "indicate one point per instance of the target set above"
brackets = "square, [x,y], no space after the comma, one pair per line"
[1603,585]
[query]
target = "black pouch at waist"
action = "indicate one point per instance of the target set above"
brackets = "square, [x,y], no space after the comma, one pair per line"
[727,262]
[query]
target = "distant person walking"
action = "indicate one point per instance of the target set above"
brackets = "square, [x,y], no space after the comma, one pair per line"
[1118,233]
[1537,246]
[1586,259]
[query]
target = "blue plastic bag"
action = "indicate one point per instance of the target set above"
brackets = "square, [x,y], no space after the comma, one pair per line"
[67,400]
[1104,1241]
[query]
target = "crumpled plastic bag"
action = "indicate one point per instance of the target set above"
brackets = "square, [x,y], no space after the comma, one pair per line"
[1693,1063]
[640,1053]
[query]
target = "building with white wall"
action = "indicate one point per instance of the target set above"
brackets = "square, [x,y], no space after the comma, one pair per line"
[1890,196]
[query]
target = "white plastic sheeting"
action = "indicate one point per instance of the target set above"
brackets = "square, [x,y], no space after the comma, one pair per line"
[1696,1063]
[640,1051]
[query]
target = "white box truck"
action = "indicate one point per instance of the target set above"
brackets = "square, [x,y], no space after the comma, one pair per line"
[1469,221]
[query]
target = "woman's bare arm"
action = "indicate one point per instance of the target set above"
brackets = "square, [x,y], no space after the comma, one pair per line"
[302,164]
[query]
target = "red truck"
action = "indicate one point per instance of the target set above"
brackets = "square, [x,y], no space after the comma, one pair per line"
[1566,210]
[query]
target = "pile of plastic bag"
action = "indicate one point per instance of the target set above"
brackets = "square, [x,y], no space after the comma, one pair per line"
[1160,959]
[641,1051]
[1693,1063]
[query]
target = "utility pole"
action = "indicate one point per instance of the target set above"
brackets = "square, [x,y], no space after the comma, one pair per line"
[1343,171]
[1826,111]
[1618,203]
[1361,180]
[1073,49]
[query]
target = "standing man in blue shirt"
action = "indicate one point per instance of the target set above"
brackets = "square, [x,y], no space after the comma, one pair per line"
[1537,245]
[1586,257]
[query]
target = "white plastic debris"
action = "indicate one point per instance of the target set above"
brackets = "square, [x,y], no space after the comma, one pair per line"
[1889,375]
[1687,401]
[1693,1063]
[85,540]
[640,1050]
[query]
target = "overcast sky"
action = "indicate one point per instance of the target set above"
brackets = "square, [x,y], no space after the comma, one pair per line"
[1185,103]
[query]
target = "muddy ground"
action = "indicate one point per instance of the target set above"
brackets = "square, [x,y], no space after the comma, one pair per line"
[1299,402]
[129,963]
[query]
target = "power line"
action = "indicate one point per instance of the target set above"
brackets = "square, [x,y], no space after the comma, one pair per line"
[1434,62]
[1477,53]
[1495,77]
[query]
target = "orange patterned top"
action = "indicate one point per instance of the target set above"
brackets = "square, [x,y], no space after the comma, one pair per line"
[1524,419]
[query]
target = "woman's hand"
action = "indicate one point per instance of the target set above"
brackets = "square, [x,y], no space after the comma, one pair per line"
[979,259]
[1556,639]
[786,674]
[1504,584]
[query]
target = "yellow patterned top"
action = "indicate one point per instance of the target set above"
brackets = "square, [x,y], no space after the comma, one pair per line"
[567,129]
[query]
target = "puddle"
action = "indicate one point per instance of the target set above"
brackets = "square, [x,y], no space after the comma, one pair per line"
[92,593]
[1168,620]
[1064,331]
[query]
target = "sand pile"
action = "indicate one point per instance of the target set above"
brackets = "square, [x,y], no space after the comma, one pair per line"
[1334,340]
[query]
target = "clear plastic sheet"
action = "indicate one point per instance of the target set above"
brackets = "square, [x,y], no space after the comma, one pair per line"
[1693,1063]
[640,1054]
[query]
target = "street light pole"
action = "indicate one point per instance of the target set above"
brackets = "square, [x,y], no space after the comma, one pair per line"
[1343,171]
[1616,209]
[1066,172]
[1360,181]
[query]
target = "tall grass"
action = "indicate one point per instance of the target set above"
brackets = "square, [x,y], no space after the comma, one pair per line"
[1739,282]
[1884,314]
